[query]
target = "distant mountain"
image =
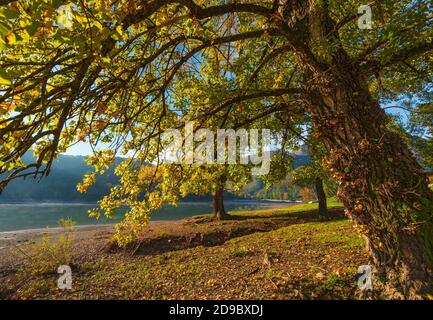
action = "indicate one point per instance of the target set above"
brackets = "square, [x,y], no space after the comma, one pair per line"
[60,185]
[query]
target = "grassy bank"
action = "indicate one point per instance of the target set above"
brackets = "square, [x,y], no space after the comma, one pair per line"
[285,253]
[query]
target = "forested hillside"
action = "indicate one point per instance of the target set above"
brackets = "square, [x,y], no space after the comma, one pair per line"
[60,185]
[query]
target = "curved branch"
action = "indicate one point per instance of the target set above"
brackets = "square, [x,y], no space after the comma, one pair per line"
[374,66]
[202,13]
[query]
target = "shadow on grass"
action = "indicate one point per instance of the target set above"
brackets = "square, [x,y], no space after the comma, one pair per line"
[333,214]
[208,232]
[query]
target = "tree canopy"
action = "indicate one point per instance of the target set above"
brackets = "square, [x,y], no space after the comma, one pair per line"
[120,74]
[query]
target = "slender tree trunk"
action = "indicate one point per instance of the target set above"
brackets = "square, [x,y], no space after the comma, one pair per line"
[218,205]
[321,197]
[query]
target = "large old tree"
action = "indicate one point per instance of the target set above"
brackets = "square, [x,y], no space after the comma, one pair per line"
[120,74]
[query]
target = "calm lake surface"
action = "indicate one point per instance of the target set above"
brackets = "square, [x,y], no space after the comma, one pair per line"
[40,215]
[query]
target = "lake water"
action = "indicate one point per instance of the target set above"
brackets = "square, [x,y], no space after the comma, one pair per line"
[40,215]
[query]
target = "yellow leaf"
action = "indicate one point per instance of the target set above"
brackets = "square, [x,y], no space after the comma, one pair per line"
[10,38]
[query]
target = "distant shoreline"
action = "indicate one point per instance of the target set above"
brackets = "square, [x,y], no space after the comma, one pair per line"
[20,237]
[81,227]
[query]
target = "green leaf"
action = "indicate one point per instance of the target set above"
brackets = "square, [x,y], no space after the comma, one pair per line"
[4,78]
[11,13]
[4,29]
[2,45]
[33,27]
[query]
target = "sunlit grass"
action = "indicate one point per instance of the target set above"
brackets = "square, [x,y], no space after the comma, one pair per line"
[298,208]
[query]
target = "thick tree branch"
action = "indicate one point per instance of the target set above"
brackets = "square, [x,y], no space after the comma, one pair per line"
[374,66]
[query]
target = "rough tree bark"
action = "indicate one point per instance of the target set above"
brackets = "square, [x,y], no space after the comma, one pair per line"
[321,197]
[380,182]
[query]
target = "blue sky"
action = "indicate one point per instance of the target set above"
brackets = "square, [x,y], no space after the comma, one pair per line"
[79,149]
